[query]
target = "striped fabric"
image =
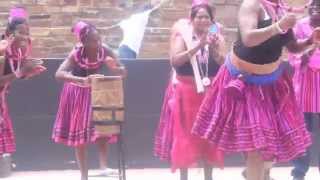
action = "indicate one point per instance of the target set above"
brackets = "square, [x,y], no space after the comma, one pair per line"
[73,125]
[7,138]
[307,87]
[174,140]
[164,136]
[266,119]
[306,78]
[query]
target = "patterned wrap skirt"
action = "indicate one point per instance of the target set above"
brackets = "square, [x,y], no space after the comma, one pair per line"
[7,137]
[253,113]
[174,141]
[73,126]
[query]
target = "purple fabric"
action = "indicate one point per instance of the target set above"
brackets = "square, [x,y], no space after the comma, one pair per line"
[266,119]
[7,138]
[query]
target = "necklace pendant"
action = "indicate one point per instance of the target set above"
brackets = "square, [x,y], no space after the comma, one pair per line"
[206,81]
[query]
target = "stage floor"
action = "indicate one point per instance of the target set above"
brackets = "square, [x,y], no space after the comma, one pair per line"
[278,173]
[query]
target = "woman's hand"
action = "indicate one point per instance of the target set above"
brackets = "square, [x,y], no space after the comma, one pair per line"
[116,67]
[307,54]
[86,81]
[287,22]
[315,37]
[5,43]
[213,41]
[30,68]
[36,71]
[123,71]
[203,40]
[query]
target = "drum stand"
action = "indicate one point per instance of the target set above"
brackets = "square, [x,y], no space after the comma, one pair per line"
[120,143]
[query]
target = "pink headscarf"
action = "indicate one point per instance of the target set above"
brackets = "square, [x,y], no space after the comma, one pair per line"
[78,27]
[17,12]
[198,2]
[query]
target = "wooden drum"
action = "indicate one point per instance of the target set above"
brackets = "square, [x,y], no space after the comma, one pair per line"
[107,101]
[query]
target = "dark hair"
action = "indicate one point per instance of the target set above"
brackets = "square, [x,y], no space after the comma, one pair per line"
[195,10]
[84,33]
[12,26]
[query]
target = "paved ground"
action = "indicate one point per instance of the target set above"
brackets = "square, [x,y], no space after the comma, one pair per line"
[154,174]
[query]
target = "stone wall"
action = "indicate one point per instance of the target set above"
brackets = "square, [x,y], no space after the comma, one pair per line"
[51,21]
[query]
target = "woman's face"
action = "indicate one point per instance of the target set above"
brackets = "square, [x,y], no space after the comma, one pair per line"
[21,35]
[202,20]
[93,41]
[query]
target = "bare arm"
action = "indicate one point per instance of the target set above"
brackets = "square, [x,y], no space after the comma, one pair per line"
[179,53]
[298,46]
[64,72]
[248,23]
[218,50]
[112,55]
[3,47]
[8,78]
[113,63]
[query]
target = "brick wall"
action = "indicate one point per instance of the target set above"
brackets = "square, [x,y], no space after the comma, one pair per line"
[51,21]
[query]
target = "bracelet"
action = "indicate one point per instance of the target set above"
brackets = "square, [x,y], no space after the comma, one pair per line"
[279,29]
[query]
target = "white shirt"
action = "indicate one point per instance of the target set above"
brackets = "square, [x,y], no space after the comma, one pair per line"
[133,30]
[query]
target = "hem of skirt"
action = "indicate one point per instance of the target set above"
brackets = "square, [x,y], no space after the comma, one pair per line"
[267,158]
[162,158]
[68,143]
[8,152]
[300,147]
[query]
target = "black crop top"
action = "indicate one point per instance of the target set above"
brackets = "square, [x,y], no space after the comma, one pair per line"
[7,67]
[186,69]
[266,52]
[83,72]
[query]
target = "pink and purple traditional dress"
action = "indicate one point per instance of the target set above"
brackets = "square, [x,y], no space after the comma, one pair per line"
[245,112]
[7,137]
[306,80]
[174,141]
[12,62]
[73,126]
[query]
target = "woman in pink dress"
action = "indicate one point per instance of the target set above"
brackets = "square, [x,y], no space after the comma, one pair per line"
[306,82]
[195,57]
[73,126]
[251,106]
[15,48]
